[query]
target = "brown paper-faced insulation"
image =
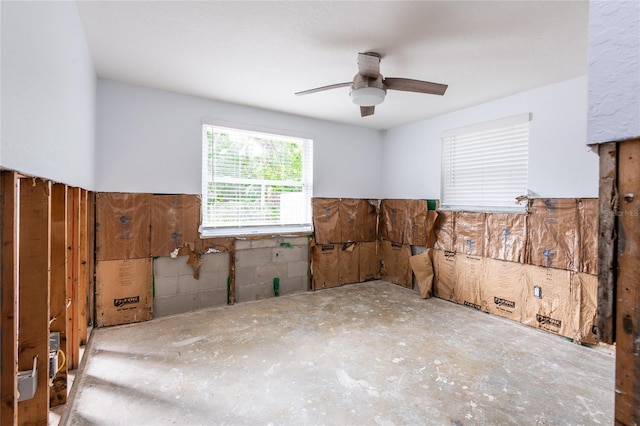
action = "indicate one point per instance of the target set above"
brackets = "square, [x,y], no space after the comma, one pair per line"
[469,275]
[553,233]
[174,222]
[352,219]
[503,289]
[371,227]
[395,263]
[326,220]
[551,302]
[587,285]
[422,266]
[211,245]
[506,236]
[369,261]
[444,263]
[325,266]
[430,227]
[445,230]
[469,233]
[416,231]
[393,220]
[349,263]
[123,291]
[588,235]
[123,226]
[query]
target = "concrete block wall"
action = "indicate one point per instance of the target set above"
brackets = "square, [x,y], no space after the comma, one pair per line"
[258,262]
[176,290]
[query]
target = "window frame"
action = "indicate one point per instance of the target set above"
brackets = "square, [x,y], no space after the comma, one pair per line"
[208,230]
[481,132]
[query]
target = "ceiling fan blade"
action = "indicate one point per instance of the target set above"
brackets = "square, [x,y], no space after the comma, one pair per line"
[408,85]
[369,64]
[366,110]
[323,88]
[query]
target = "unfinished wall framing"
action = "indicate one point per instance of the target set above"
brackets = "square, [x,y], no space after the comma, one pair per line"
[47,286]
[618,298]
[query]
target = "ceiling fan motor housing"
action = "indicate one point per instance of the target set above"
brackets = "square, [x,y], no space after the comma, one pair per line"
[366,91]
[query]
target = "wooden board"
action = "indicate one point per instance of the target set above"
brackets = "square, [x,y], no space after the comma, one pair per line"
[73,343]
[83,270]
[627,395]
[231,290]
[58,297]
[91,244]
[9,325]
[34,261]
[607,242]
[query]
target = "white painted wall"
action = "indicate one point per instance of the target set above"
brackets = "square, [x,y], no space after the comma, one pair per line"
[560,164]
[48,93]
[614,70]
[150,141]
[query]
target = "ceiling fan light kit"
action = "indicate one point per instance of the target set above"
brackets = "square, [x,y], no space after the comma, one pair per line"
[369,87]
[368,96]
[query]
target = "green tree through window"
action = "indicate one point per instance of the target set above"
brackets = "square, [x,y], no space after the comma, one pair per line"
[253,180]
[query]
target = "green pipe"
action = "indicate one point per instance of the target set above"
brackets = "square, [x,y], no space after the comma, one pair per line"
[276,286]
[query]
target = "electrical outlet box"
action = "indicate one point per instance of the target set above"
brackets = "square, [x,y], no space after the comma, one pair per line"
[28,382]
[54,341]
[537,291]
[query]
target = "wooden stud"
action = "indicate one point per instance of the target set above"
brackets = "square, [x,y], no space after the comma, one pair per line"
[232,275]
[83,271]
[73,343]
[627,399]
[58,297]
[607,242]
[310,244]
[91,246]
[34,266]
[9,229]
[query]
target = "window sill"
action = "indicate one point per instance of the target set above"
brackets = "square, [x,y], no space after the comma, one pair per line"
[249,231]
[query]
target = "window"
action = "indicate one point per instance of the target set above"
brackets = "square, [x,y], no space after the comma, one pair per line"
[484,166]
[255,182]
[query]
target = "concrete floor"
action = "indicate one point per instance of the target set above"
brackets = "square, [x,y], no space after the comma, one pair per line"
[371,353]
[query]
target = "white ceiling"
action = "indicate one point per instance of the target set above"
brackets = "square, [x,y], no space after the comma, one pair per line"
[261,53]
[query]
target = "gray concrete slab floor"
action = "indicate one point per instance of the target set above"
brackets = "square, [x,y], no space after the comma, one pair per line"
[371,353]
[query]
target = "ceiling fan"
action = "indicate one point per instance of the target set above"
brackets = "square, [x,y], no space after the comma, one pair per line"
[369,87]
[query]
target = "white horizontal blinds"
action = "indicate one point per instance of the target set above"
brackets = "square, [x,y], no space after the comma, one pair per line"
[253,180]
[484,167]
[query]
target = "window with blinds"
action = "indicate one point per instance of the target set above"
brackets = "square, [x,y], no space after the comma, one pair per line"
[255,182]
[484,166]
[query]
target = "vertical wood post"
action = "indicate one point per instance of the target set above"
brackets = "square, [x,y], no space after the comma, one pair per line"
[10,236]
[608,200]
[58,298]
[232,274]
[91,248]
[627,402]
[34,264]
[73,343]
[83,270]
